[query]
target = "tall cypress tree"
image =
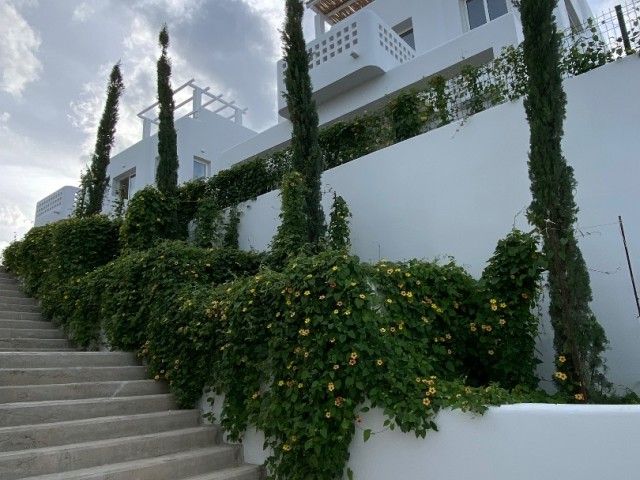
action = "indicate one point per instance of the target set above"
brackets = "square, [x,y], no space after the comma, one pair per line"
[578,337]
[94,182]
[167,172]
[306,154]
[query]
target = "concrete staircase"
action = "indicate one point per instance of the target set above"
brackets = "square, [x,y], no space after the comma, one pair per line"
[71,415]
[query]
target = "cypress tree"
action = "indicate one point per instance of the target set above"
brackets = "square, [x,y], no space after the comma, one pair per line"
[167,172]
[578,338]
[94,181]
[306,154]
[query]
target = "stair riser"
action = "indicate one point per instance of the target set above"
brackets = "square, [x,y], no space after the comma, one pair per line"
[40,436]
[67,359]
[77,391]
[9,315]
[64,459]
[33,343]
[46,333]
[14,307]
[45,376]
[34,413]
[11,291]
[26,324]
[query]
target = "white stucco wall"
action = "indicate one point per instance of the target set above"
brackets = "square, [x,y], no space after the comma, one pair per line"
[457,190]
[511,442]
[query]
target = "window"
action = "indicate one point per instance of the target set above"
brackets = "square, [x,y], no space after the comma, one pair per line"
[480,12]
[405,31]
[200,168]
[126,186]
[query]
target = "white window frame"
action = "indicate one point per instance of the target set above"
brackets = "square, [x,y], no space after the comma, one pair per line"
[207,167]
[120,180]
[465,13]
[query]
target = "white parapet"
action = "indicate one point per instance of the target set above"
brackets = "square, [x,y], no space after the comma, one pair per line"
[354,51]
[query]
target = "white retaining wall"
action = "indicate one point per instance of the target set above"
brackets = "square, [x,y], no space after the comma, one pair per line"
[459,189]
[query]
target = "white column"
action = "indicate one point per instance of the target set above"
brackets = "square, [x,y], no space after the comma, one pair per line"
[320,25]
[197,101]
[146,128]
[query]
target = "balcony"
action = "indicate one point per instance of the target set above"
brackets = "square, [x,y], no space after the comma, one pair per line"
[354,51]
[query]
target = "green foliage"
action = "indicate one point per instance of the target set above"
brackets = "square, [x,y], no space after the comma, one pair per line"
[96,176]
[438,101]
[405,115]
[297,352]
[305,151]
[150,218]
[231,237]
[141,302]
[292,231]
[339,232]
[208,223]
[577,336]
[167,172]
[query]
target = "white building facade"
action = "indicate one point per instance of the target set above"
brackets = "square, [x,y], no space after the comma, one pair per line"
[56,206]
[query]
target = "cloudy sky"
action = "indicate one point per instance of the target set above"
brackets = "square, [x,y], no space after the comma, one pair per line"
[55,57]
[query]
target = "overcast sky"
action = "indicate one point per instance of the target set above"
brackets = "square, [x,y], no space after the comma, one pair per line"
[55,58]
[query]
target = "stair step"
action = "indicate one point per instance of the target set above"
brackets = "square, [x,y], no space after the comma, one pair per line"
[15,465]
[26,324]
[19,343]
[77,431]
[46,333]
[44,376]
[165,467]
[14,307]
[26,349]
[77,391]
[17,300]
[30,413]
[67,359]
[241,472]
[11,290]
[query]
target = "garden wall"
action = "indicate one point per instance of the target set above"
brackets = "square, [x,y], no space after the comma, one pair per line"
[457,190]
[523,442]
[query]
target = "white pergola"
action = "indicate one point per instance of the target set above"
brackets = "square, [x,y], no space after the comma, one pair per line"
[333,11]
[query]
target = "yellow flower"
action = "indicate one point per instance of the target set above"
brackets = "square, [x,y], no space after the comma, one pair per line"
[336,311]
[494,307]
[490,352]
[300,385]
[307,321]
[389,300]
[561,376]
[403,293]
[425,319]
[307,293]
[294,439]
[579,397]
[401,326]
[327,414]
[503,305]
[336,367]
[392,329]
[362,296]
[322,297]
[379,362]
[562,359]
[338,401]
[426,401]
[432,390]
[255,395]
[286,447]
[448,336]
[493,301]
[347,312]
[334,268]
[418,380]
[502,321]
[331,387]
[354,355]
[389,271]
[281,383]
[524,295]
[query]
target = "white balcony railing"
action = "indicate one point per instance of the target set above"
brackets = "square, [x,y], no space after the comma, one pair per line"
[354,51]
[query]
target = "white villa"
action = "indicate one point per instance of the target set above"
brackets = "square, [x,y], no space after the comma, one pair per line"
[453,191]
